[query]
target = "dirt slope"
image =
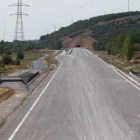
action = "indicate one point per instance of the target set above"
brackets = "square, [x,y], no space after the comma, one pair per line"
[85,42]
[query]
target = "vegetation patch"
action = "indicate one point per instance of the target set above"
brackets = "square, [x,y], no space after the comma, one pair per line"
[5,94]
[119,62]
[25,63]
[45,62]
[52,60]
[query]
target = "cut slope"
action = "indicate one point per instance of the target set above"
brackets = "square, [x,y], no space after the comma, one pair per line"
[85,42]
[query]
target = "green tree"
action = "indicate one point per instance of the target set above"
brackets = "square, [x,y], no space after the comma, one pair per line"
[2,43]
[109,47]
[17,62]
[6,59]
[20,55]
[58,45]
[128,50]
[8,51]
[1,50]
[136,47]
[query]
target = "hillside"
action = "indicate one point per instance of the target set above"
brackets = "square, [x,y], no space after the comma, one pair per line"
[96,28]
[85,41]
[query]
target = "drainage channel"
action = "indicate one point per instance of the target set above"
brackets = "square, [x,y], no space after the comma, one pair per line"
[25,78]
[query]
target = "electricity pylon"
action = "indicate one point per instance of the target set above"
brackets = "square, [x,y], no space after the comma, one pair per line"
[19,30]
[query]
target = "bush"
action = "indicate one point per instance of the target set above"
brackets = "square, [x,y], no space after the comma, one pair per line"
[20,55]
[8,51]
[1,50]
[6,59]
[17,62]
[136,47]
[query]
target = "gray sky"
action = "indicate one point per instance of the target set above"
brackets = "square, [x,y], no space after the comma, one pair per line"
[45,15]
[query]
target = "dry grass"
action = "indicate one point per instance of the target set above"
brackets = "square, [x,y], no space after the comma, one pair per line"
[7,69]
[31,56]
[3,90]
[119,61]
[45,62]
[25,63]
[5,94]
[28,58]
[53,61]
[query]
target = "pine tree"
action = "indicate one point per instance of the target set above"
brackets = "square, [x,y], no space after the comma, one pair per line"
[128,50]
[20,55]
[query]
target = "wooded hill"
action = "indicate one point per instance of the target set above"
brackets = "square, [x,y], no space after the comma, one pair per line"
[101,28]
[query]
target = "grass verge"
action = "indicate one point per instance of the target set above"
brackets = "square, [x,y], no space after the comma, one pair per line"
[119,62]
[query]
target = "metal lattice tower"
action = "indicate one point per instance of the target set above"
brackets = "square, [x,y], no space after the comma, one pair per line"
[19,30]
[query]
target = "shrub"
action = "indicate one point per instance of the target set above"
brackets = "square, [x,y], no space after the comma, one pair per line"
[20,55]
[6,59]
[17,62]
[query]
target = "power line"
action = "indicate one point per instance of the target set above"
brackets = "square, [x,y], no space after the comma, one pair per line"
[55,28]
[77,8]
[128,5]
[71,20]
[19,30]
[5,8]
[71,11]
[4,30]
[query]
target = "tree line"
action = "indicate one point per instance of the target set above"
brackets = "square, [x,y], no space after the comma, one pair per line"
[122,44]
[7,58]
[8,49]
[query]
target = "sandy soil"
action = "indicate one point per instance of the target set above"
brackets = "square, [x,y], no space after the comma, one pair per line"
[5,93]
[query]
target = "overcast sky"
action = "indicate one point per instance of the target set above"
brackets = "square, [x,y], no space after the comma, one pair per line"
[46,15]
